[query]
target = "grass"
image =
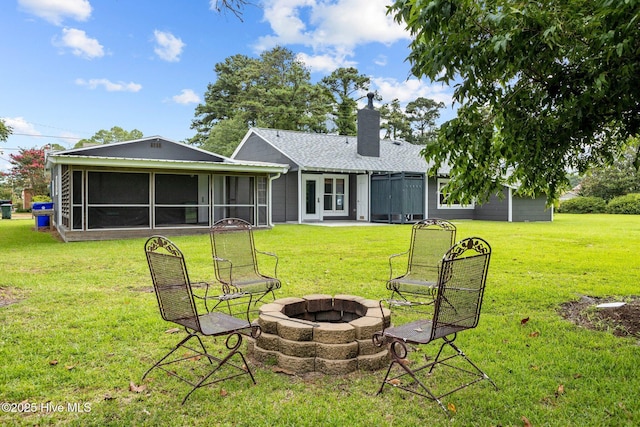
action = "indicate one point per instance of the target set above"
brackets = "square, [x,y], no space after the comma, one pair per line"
[85,327]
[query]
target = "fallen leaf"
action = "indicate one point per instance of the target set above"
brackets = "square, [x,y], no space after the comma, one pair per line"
[69,367]
[394,381]
[560,390]
[526,422]
[223,392]
[576,376]
[136,388]
[534,334]
[172,331]
[108,396]
[53,362]
[418,329]
[195,358]
[451,407]
[525,320]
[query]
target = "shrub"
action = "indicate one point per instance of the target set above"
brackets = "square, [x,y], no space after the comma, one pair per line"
[41,199]
[583,205]
[628,204]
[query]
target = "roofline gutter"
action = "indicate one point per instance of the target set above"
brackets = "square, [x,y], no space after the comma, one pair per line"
[165,164]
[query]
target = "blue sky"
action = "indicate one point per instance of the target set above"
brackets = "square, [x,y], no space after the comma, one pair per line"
[73,67]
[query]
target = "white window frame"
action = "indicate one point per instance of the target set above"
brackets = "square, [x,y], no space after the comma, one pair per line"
[441,182]
[333,211]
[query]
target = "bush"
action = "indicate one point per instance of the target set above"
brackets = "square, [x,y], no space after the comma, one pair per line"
[39,198]
[628,204]
[583,205]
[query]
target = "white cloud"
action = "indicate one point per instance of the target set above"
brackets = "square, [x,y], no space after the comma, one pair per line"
[169,47]
[325,63]
[80,44]
[336,26]
[21,126]
[187,96]
[109,86]
[411,89]
[55,11]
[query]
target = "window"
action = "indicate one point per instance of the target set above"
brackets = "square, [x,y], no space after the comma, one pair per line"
[335,197]
[443,200]
[117,200]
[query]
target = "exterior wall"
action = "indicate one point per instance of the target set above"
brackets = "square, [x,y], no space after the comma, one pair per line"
[255,148]
[152,148]
[496,209]
[528,209]
[444,213]
[284,207]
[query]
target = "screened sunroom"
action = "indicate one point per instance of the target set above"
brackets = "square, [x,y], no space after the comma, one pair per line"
[99,195]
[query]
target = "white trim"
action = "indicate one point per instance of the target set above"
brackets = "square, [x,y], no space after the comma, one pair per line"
[451,206]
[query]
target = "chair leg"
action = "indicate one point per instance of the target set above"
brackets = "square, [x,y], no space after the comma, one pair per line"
[399,352]
[234,347]
[180,344]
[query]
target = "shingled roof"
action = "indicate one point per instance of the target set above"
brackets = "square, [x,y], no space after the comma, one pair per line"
[325,152]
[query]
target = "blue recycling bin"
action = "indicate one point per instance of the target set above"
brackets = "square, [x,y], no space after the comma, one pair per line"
[43,221]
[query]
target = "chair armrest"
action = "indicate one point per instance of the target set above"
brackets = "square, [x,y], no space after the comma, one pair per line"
[391,263]
[271,254]
[218,270]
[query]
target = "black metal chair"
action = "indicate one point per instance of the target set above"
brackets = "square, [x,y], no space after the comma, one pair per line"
[430,240]
[460,288]
[235,259]
[177,303]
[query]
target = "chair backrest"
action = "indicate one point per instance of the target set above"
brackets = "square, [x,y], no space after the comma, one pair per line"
[171,282]
[461,283]
[232,241]
[430,240]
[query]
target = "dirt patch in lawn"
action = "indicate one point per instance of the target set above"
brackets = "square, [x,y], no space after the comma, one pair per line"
[622,321]
[8,296]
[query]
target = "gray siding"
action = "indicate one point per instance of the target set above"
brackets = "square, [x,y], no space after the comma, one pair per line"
[257,149]
[495,209]
[446,213]
[153,148]
[285,196]
[528,209]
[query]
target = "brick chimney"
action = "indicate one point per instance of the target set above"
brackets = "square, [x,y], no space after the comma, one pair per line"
[369,130]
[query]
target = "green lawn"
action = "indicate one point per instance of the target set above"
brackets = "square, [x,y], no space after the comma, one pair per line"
[85,327]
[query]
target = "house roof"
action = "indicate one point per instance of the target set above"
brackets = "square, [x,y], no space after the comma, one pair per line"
[157,152]
[325,152]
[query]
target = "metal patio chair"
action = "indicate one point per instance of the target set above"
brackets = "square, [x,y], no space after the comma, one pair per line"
[235,259]
[430,240]
[460,288]
[177,303]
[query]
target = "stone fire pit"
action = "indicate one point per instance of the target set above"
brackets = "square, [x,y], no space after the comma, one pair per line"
[321,333]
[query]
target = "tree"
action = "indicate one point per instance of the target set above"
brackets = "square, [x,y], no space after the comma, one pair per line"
[115,134]
[394,121]
[272,91]
[618,179]
[346,87]
[422,114]
[27,170]
[5,131]
[543,87]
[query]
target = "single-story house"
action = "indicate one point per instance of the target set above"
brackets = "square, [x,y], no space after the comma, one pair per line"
[154,185]
[364,178]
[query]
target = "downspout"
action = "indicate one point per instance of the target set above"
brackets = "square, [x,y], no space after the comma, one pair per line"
[510,205]
[299,195]
[270,189]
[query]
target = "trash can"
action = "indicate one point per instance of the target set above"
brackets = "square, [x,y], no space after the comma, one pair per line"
[43,220]
[6,210]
